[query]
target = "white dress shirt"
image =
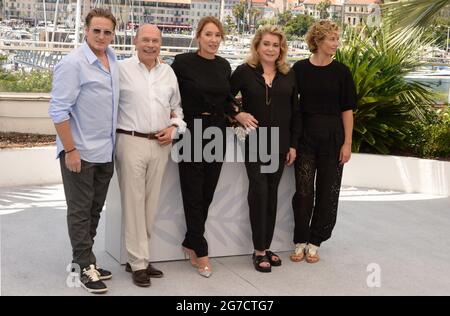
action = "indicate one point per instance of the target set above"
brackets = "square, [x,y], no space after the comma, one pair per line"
[147,97]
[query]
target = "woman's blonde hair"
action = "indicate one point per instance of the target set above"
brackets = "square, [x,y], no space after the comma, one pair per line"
[318,32]
[253,59]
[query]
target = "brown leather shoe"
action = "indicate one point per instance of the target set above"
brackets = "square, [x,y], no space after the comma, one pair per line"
[151,271]
[141,278]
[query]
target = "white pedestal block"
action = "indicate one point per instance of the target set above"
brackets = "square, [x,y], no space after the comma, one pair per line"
[228,229]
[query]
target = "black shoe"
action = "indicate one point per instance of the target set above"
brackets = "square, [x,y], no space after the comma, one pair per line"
[90,280]
[151,271]
[141,278]
[257,260]
[270,255]
[104,274]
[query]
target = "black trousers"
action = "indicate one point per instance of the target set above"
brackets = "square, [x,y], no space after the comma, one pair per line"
[262,201]
[318,177]
[85,196]
[198,181]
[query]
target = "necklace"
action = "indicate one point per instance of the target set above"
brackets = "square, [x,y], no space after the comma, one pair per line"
[268,77]
[268,98]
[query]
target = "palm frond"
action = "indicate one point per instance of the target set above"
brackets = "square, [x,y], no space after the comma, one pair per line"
[387,102]
[412,13]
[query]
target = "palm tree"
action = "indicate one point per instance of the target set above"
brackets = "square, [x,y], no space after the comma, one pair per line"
[413,13]
[254,15]
[323,7]
[239,14]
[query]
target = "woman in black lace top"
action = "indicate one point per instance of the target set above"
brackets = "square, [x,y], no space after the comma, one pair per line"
[327,100]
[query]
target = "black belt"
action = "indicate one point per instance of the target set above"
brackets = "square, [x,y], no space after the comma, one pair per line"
[133,133]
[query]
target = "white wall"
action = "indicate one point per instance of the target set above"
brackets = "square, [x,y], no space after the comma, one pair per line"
[398,173]
[38,165]
[29,166]
[25,113]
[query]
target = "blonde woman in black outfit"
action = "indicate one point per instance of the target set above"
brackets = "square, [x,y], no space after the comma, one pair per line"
[327,100]
[203,78]
[268,93]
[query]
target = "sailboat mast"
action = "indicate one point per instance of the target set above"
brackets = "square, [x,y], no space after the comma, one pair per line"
[77,23]
[55,20]
[45,23]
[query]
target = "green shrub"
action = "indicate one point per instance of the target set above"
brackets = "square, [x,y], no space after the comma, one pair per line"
[431,140]
[35,81]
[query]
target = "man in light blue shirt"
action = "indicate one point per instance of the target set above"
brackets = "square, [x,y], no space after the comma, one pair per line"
[83,107]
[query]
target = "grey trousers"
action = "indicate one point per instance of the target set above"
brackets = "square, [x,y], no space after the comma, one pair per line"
[85,196]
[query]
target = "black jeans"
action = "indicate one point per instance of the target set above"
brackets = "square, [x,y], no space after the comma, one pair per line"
[262,201]
[85,196]
[198,182]
[318,177]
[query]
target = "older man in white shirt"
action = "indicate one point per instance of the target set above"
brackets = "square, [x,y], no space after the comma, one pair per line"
[149,115]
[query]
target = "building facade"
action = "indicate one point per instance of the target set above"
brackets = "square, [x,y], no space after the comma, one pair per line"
[334,11]
[358,12]
[351,12]
[166,13]
[202,8]
[187,13]
[227,8]
[15,9]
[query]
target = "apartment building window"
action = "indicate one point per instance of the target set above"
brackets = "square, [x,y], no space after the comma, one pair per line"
[349,9]
[354,21]
[362,9]
[360,20]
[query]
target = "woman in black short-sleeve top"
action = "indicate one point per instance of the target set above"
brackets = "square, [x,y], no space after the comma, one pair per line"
[327,100]
[204,81]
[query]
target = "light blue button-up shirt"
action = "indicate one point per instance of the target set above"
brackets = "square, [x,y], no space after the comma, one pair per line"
[85,93]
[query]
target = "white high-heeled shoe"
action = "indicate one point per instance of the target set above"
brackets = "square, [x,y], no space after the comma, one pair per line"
[205,271]
[204,267]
